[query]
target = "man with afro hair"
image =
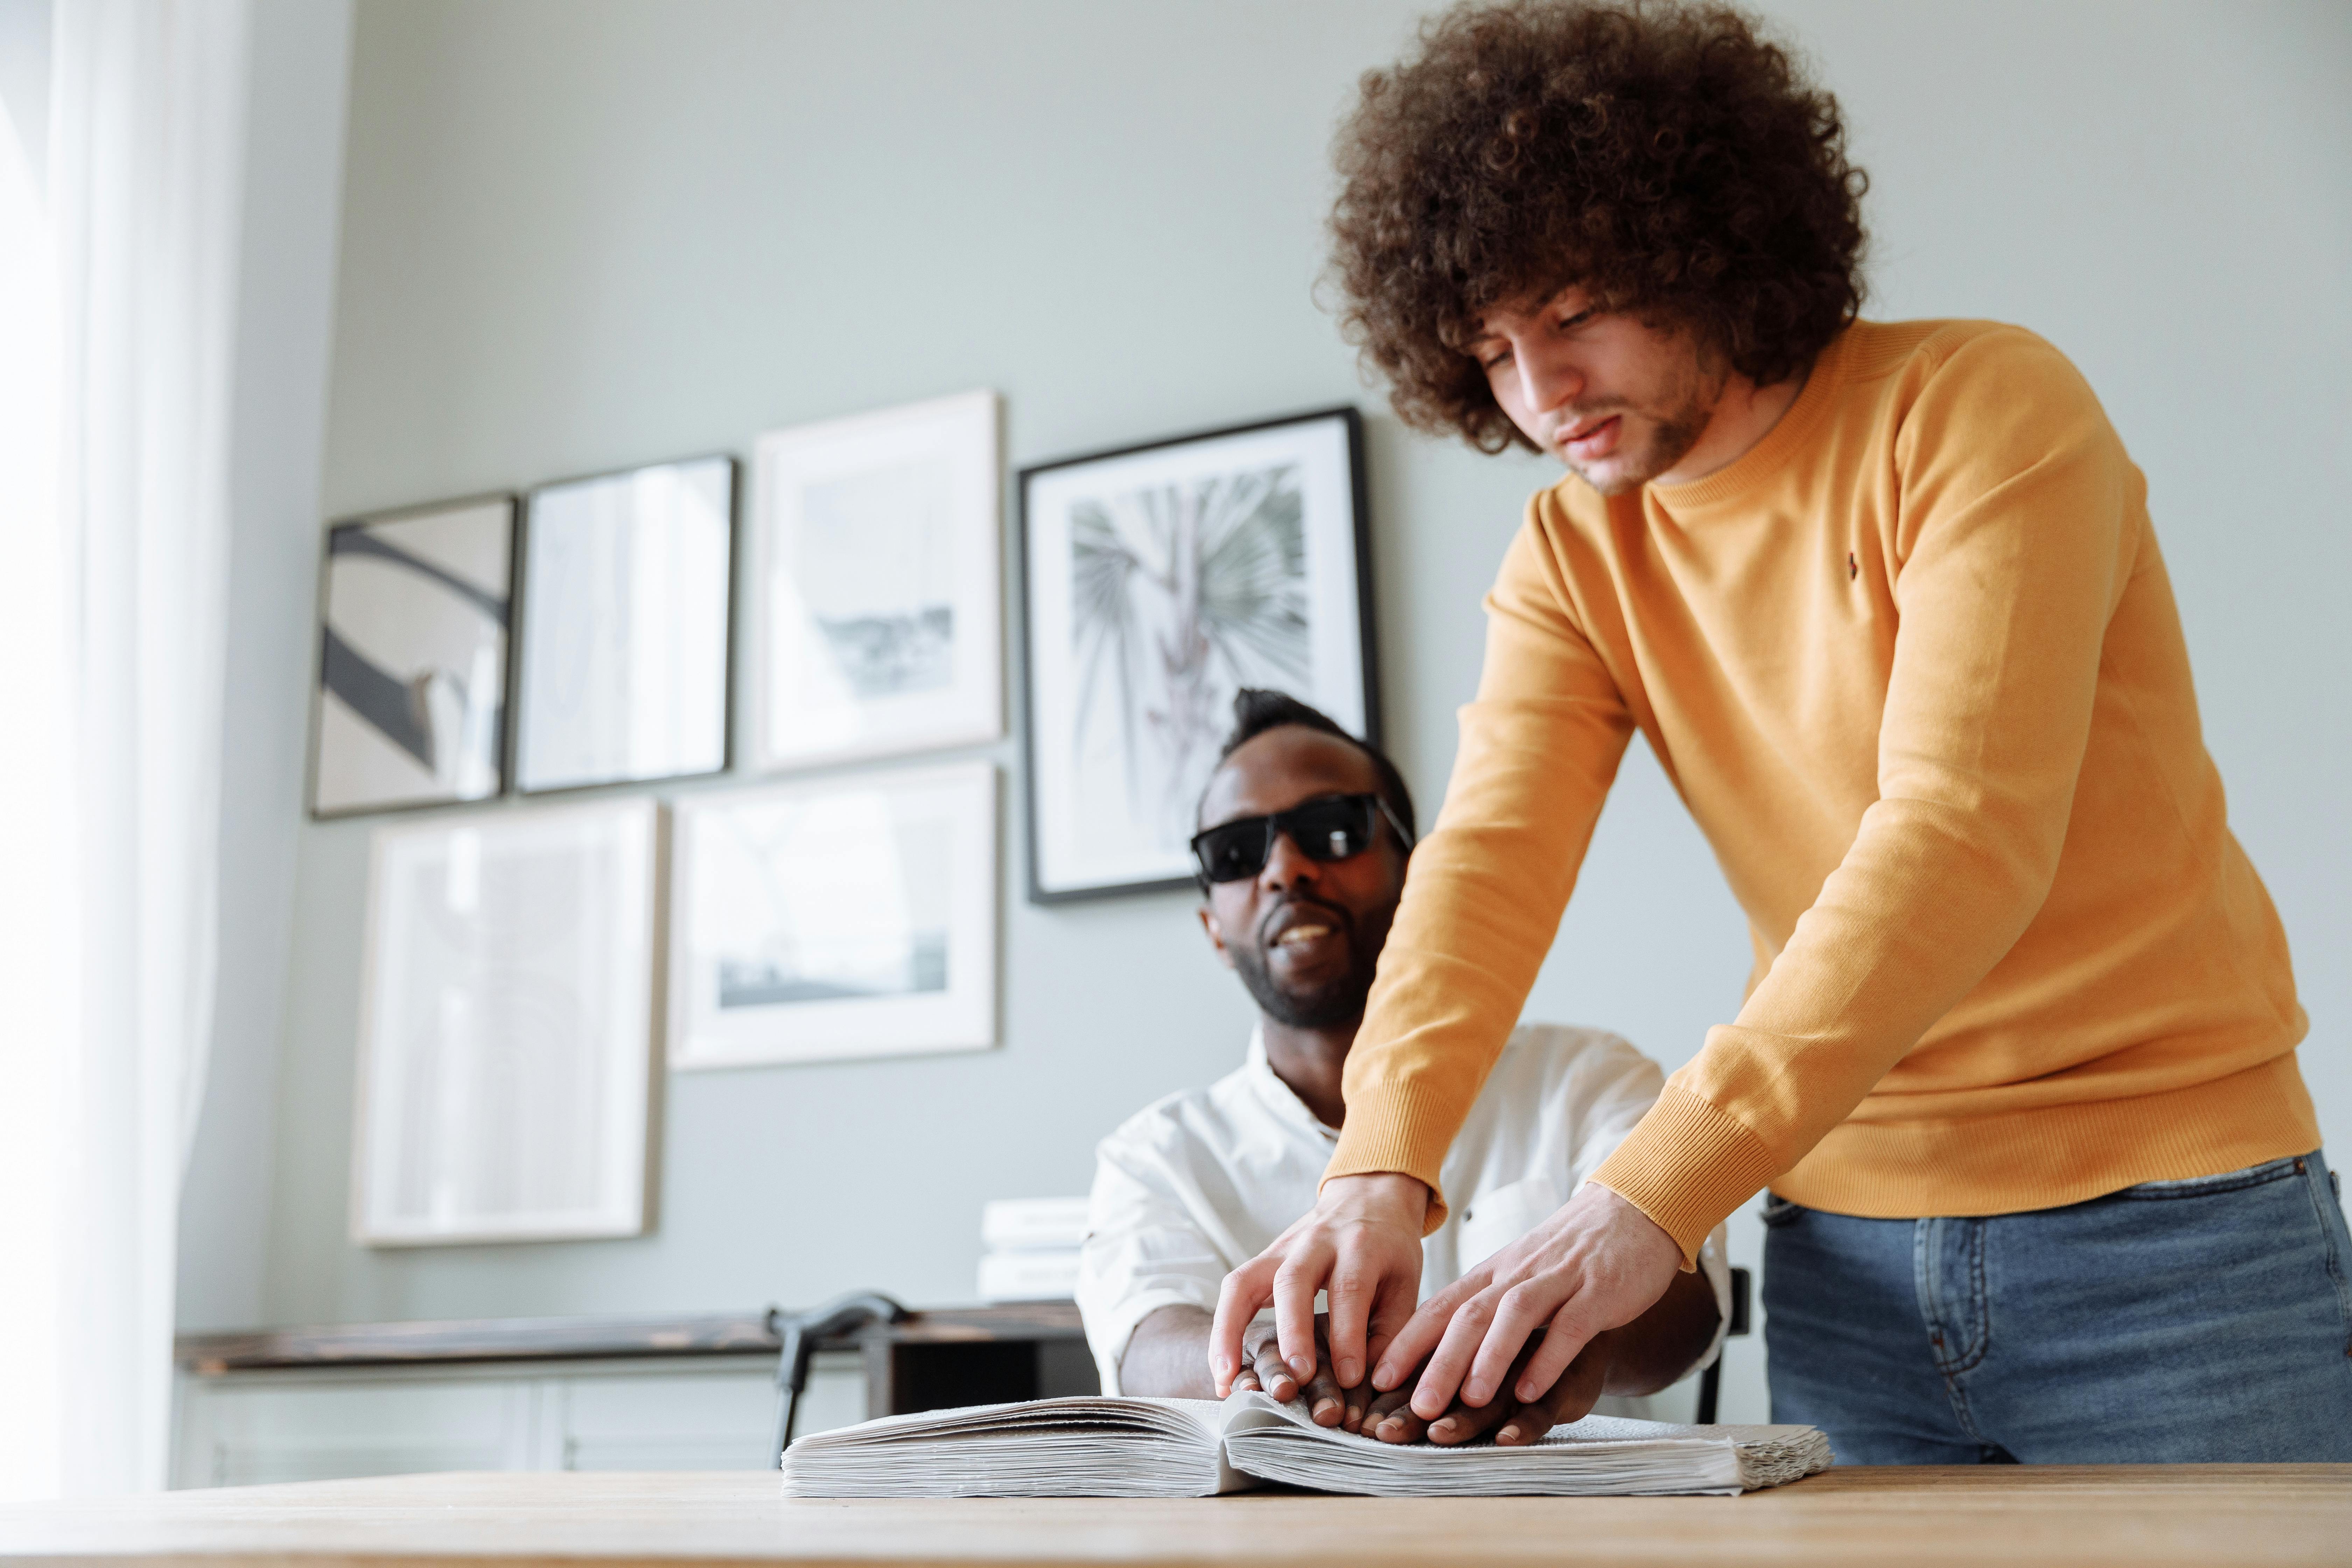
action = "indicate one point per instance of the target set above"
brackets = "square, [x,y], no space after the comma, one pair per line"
[2015,1068]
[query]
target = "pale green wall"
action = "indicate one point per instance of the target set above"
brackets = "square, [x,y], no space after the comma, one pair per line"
[295,89]
[579,233]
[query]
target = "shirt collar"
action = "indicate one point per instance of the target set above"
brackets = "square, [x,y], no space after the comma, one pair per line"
[1278,1098]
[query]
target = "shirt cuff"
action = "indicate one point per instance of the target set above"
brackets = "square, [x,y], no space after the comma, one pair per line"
[1715,1263]
[1405,1134]
[1686,1165]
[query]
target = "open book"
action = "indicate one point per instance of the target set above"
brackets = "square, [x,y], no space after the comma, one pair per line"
[1196,1448]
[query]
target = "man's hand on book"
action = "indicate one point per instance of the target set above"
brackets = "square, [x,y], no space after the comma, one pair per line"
[1361,1240]
[1327,1403]
[1389,1416]
[1596,1264]
[1513,1422]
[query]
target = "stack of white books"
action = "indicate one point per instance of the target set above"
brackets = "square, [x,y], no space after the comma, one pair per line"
[1193,1447]
[1033,1248]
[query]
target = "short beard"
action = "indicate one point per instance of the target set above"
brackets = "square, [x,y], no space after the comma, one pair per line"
[1677,431]
[1675,436]
[1338,1001]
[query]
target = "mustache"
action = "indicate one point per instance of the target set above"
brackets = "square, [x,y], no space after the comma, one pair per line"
[1580,418]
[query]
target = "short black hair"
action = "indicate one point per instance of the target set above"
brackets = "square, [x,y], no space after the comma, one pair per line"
[1255,711]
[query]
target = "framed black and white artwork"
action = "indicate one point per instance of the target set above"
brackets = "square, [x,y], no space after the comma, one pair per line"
[507,1026]
[623,641]
[851,917]
[1158,580]
[873,549]
[411,703]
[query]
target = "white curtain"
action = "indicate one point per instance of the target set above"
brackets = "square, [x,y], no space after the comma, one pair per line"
[115,510]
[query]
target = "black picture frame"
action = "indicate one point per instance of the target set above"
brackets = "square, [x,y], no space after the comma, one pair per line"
[384,673]
[528,608]
[1332,579]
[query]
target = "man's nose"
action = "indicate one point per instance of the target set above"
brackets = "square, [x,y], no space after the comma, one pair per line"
[1545,381]
[1285,866]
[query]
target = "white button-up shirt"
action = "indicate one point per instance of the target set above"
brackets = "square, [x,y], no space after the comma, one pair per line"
[1199,1182]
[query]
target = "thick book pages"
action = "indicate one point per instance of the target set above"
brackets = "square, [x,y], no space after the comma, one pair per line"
[1191,1448]
[1040,1447]
[1601,1456]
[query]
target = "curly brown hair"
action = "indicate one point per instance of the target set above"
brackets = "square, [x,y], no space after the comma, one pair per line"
[1667,158]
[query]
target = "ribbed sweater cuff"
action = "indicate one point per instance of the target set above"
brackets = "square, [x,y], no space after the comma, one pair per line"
[1406,1131]
[1686,1164]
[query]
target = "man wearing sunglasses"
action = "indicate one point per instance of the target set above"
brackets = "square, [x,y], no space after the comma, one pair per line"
[1301,861]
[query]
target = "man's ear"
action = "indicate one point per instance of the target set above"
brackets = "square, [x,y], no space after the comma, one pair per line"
[1217,935]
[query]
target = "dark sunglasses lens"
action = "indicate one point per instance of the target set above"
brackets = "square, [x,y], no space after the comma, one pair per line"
[1332,829]
[1234,851]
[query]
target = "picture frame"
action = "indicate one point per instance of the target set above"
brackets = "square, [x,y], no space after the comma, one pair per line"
[876,584]
[1250,546]
[409,706]
[838,919]
[624,618]
[507,1024]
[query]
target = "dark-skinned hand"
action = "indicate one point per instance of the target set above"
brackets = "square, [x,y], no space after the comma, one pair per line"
[1328,1404]
[1512,1422]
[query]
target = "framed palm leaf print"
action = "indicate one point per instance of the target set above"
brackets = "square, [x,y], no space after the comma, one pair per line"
[1158,580]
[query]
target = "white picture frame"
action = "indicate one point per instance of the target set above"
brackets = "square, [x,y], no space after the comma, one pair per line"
[507,1011]
[1273,589]
[621,655]
[875,556]
[845,918]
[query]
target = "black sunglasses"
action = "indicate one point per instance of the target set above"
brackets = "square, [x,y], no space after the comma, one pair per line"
[1328,827]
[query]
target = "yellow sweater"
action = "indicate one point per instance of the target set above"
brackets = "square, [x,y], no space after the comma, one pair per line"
[1914,664]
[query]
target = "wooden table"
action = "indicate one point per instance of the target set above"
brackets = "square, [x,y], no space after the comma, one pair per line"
[2142,1517]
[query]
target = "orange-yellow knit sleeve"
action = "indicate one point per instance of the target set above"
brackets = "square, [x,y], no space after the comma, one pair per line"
[1539,750]
[2019,533]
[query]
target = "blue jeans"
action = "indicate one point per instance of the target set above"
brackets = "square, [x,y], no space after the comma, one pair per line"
[2199,1321]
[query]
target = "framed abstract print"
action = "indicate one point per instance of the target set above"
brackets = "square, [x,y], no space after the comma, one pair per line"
[409,708]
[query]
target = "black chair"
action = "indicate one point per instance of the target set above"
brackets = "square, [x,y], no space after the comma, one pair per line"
[1710,1382]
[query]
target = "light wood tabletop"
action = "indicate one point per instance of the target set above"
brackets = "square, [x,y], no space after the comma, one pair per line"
[2144,1517]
